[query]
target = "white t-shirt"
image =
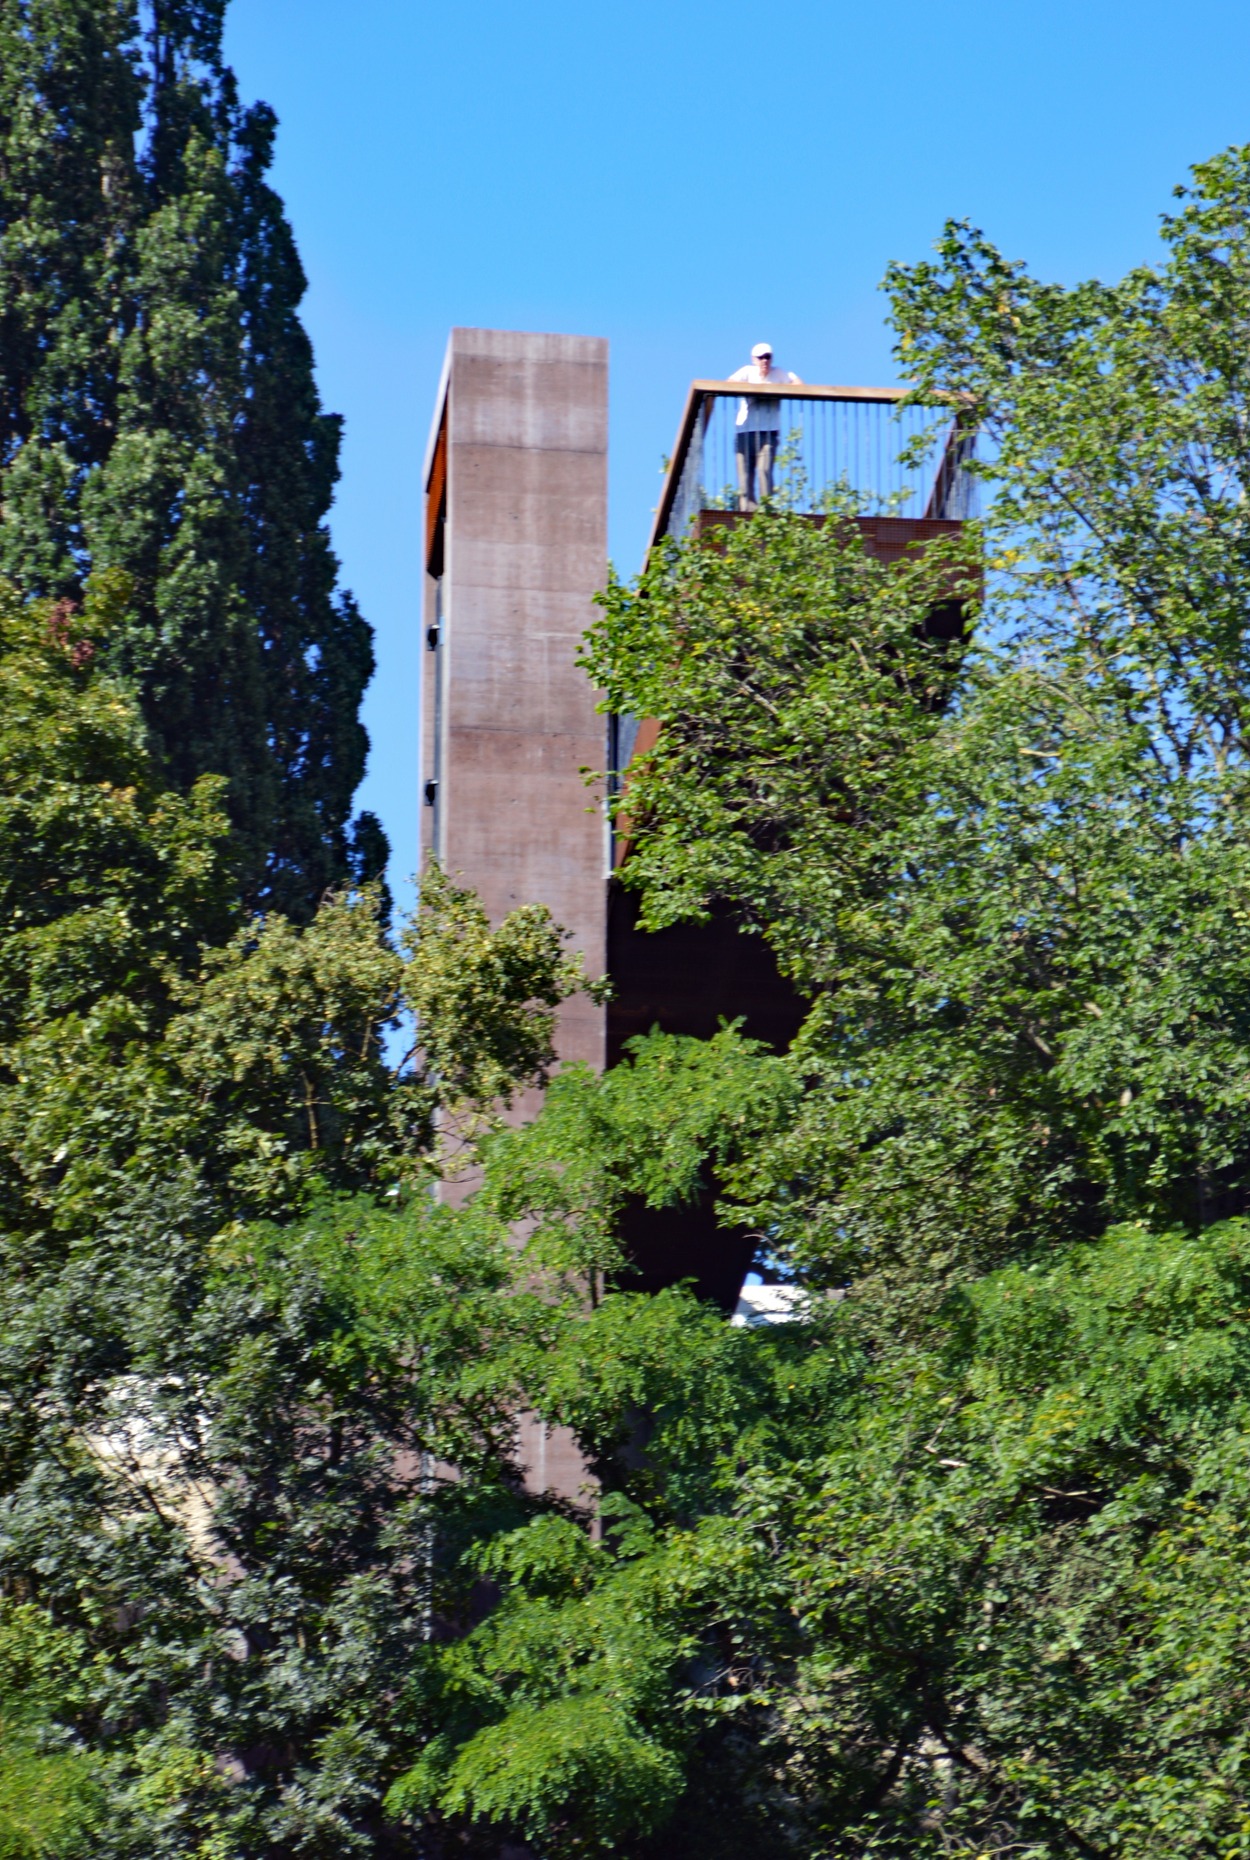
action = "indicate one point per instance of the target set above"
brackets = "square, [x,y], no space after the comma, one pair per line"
[755,414]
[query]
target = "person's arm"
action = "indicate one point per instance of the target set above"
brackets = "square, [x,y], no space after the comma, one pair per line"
[740,374]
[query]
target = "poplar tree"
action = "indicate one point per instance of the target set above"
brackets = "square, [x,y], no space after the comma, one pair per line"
[159,416]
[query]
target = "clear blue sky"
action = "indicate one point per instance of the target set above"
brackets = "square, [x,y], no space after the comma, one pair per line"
[684,179]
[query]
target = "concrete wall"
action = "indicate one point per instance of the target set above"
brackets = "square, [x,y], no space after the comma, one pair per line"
[523,421]
[524,548]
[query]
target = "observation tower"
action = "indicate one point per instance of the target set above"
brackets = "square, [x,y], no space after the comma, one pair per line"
[515,541]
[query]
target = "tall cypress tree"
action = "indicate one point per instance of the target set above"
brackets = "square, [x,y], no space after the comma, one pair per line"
[158,413]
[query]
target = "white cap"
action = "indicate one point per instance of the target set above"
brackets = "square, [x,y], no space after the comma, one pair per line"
[761,349]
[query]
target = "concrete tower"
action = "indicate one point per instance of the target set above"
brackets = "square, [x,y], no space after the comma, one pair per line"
[515,548]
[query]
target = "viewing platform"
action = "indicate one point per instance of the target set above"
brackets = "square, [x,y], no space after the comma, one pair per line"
[844,440]
[829,439]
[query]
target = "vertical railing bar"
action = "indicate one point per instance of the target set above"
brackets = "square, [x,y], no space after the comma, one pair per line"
[918,478]
[783,429]
[911,428]
[822,447]
[825,456]
[802,431]
[917,482]
[711,460]
[917,504]
[711,463]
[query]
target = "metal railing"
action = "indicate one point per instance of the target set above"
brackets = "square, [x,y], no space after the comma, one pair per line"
[828,438]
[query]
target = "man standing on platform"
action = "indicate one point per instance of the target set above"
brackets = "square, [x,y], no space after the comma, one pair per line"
[759,427]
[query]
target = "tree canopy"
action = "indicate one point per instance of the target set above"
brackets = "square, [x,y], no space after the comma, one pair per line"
[949,1564]
[235,1334]
[158,416]
[1018,911]
[952,1563]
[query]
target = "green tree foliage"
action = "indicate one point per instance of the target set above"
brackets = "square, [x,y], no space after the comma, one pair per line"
[1020,912]
[984,1596]
[228,1443]
[254,1386]
[147,1025]
[953,1564]
[949,1565]
[229,1493]
[110,883]
[158,415]
[48,1792]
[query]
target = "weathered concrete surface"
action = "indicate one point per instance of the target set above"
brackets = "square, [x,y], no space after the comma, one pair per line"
[524,551]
